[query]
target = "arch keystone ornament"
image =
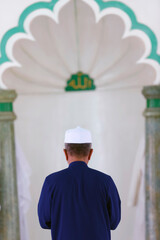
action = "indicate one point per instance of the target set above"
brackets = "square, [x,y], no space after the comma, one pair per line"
[152,164]
[79,82]
[9,214]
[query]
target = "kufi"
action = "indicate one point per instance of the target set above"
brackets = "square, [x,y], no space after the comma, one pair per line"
[78,135]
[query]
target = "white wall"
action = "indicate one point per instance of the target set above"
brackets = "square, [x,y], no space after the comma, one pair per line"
[116,122]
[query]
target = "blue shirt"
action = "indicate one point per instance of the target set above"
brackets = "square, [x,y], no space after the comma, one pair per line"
[79,203]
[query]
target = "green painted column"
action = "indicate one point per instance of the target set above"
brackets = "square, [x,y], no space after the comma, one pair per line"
[152,164]
[9,214]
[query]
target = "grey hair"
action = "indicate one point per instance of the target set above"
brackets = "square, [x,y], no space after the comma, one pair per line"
[78,149]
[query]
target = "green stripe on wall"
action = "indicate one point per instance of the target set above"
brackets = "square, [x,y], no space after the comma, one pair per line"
[6,107]
[153,103]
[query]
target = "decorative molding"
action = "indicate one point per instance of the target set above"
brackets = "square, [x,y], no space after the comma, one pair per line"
[134,23]
[7,98]
[100,4]
[6,107]
[101,9]
[152,95]
[80,82]
[153,103]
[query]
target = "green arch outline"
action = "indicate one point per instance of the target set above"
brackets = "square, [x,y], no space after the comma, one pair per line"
[102,5]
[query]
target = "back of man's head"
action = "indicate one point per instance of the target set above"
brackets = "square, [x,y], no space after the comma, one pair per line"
[78,149]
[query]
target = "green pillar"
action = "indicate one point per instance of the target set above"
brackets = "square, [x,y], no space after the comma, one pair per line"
[9,214]
[152,165]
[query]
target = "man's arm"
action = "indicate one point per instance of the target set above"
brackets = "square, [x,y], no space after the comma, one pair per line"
[44,206]
[113,205]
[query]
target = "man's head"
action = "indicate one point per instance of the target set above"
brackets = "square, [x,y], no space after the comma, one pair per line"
[78,144]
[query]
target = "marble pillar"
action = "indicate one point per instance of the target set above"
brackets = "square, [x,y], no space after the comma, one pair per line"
[9,214]
[152,164]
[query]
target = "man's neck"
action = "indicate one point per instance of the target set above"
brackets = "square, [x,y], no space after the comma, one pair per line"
[74,159]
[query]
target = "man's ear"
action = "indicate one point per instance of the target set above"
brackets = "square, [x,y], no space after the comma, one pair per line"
[90,153]
[66,154]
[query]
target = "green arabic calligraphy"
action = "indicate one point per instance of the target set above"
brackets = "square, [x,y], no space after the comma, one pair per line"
[80,81]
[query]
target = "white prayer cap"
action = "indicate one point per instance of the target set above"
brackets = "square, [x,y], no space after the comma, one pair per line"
[78,135]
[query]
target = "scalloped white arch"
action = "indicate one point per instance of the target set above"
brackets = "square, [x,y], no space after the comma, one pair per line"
[98,16]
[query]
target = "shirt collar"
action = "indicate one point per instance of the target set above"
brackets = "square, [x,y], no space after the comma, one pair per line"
[78,163]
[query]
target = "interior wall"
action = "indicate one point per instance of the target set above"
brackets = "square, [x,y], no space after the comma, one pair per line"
[116,123]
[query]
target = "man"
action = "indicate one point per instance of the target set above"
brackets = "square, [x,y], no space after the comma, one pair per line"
[78,202]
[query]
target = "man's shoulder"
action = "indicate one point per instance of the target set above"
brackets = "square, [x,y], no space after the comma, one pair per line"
[57,174]
[100,174]
[64,174]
